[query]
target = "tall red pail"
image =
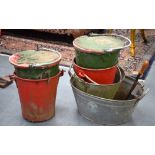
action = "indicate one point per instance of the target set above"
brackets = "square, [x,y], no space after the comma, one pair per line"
[37,97]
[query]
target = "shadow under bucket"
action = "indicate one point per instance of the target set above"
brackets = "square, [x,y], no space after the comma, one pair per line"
[106,111]
[37,97]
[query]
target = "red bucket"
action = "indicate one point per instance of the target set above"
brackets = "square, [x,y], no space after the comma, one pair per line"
[98,76]
[38,97]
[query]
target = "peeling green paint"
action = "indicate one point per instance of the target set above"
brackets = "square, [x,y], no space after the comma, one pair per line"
[99,43]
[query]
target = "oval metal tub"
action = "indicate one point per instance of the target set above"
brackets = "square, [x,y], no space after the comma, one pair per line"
[106,111]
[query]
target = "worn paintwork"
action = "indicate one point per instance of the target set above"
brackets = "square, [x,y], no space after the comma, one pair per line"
[36,73]
[98,52]
[33,57]
[37,97]
[97,61]
[35,64]
[105,90]
[99,43]
[100,76]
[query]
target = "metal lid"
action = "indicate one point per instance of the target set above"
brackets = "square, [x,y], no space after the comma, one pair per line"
[95,43]
[32,58]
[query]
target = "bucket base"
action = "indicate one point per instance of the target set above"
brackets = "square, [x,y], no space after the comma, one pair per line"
[35,113]
[104,122]
[37,120]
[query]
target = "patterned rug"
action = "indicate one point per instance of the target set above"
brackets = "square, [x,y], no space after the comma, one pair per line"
[132,65]
[10,45]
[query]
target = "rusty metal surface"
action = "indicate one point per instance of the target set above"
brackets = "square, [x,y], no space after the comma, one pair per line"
[104,90]
[66,110]
[106,111]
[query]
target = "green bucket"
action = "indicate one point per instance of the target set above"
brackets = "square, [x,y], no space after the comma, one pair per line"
[99,51]
[33,64]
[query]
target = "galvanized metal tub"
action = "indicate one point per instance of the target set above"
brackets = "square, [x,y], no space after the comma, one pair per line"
[105,90]
[106,111]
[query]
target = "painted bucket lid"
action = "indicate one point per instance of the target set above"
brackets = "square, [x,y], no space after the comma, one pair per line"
[97,43]
[37,59]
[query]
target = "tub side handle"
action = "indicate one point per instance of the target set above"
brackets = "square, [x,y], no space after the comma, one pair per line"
[69,71]
[145,92]
[13,78]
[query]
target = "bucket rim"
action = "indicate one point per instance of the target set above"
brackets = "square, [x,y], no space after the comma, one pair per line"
[32,80]
[93,84]
[39,66]
[94,70]
[111,50]
[100,98]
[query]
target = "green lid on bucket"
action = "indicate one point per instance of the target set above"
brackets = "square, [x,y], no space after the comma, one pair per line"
[100,43]
[32,58]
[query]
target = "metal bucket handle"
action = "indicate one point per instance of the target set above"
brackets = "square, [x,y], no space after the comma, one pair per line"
[144,93]
[120,73]
[82,74]
[69,71]
[126,44]
[61,73]
[139,98]
[142,83]
[13,77]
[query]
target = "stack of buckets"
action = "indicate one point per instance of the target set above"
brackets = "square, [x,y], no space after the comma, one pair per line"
[96,64]
[37,75]
[98,82]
